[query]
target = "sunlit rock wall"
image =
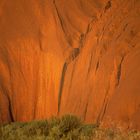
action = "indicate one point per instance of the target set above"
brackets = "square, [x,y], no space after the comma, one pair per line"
[75,56]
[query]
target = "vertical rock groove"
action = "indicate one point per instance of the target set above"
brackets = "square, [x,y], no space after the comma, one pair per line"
[75,52]
[103,107]
[73,55]
[85,111]
[119,71]
[9,102]
[61,85]
[11,111]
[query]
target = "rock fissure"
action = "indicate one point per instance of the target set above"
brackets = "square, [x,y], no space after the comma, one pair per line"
[119,71]
[85,111]
[9,103]
[73,55]
[103,107]
[61,85]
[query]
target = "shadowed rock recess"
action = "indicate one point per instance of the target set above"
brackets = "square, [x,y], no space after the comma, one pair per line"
[70,56]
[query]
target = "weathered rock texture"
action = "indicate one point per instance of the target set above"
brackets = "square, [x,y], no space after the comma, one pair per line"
[70,56]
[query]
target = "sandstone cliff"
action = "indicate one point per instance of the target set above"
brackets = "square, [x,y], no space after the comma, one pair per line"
[70,56]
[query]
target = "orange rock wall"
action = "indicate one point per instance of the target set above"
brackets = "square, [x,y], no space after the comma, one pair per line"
[75,56]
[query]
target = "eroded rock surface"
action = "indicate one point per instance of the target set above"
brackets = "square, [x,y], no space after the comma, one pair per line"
[74,56]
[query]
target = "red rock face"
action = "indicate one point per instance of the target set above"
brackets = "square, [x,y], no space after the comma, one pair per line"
[75,56]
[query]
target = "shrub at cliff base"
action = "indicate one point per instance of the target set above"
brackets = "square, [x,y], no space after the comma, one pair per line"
[67,127]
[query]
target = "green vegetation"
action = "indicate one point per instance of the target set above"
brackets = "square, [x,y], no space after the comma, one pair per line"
[67,127]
